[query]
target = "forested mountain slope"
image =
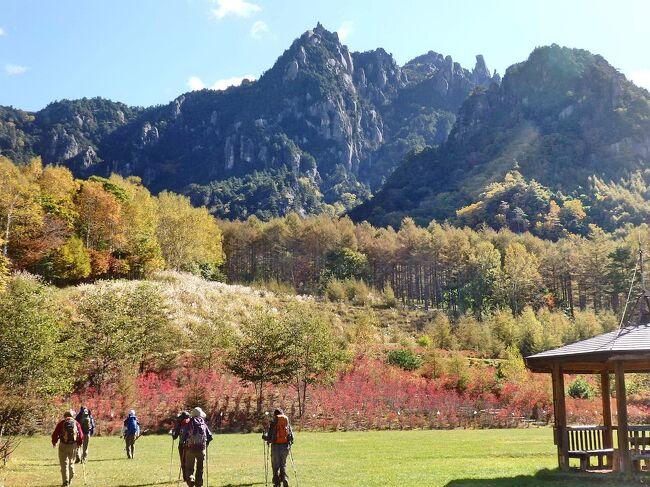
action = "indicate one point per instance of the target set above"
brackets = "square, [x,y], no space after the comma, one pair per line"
[563,141]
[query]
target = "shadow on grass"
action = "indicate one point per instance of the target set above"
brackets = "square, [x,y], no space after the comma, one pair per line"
[93,460]
[545,478]
[163,482]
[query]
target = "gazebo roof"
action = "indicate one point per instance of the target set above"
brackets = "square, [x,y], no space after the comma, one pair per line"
[630,344]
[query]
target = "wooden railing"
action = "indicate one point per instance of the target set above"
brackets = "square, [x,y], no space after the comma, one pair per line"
[639,443]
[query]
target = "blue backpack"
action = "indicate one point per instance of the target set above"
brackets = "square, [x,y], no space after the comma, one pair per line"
[131,425]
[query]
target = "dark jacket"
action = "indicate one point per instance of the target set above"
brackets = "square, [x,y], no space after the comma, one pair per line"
[179,426]
[91,430]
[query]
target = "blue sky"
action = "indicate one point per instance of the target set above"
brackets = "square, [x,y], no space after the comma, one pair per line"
[145,52]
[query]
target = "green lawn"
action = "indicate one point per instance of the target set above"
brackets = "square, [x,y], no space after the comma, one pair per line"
[487,458]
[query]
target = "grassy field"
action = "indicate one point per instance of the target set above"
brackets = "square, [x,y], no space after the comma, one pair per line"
[461,458]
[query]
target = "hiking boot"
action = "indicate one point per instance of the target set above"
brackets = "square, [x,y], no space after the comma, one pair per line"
[285,483]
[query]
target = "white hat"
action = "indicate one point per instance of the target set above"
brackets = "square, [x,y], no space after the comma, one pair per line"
[132,412]
[197,412]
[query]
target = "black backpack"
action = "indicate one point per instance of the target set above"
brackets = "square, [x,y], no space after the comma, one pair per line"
[69,433]
[85,422]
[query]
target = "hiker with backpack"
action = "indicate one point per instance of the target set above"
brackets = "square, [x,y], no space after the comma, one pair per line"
[181,418]
[87,422]
[195,438]
[130,432]
[70,436]
[280,437]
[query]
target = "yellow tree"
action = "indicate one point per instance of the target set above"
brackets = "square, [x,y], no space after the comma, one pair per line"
[20,211]
[521,276]
[58,189]
[100,217]
[4,269]
[187,236]
[139,220]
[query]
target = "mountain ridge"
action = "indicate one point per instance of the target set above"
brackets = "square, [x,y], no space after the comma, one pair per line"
[336,121]
[561,118]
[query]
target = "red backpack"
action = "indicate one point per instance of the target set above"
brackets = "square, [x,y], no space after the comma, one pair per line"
[282,430]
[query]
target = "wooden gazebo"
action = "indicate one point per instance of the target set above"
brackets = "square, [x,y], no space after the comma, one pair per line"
[617,352]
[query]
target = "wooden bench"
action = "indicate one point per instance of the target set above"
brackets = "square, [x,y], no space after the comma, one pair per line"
[586,442]
[639,439]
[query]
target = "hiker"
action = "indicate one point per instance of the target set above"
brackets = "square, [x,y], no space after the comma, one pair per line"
[280,437]
[87,422]
[70,436]
[181,418]
[195,437]
[131,432]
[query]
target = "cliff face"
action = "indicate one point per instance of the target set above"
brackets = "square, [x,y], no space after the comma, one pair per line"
[337,120]
[561,118]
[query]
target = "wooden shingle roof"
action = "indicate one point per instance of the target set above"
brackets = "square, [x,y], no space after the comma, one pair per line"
[630,344]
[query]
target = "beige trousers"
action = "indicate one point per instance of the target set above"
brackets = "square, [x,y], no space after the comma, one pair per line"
[67,457]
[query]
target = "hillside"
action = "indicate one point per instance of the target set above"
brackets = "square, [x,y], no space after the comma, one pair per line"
[563,127]
[323,126]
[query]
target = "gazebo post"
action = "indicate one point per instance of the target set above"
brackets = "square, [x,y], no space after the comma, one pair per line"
[621,409]
[560,418]
[608,440]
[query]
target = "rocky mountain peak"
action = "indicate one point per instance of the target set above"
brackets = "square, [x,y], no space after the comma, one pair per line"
[481,74]
[316,50]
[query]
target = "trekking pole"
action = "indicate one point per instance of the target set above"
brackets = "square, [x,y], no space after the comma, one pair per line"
[171,460]
[83,469]
[266,466]
[181,469]
[268,459]
[293,464]
[207,466]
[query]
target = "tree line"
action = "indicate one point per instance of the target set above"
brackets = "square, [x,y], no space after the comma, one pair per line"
[69,230]
[440,266]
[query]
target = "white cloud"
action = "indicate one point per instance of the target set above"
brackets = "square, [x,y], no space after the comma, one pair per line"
[641,77]
[238,8]
[345,29]
[196,83]
[2,32]
[222,84]
[258,29]
[14,69]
